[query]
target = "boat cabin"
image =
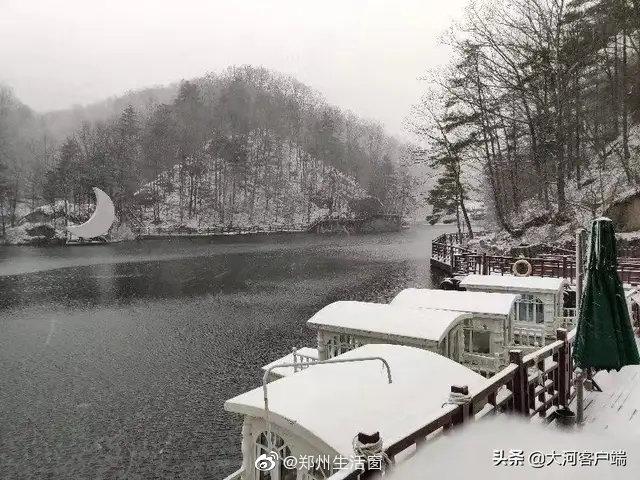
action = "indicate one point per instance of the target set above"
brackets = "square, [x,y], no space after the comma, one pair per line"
[488,331]
[539,311]
[317,412]
[345,325]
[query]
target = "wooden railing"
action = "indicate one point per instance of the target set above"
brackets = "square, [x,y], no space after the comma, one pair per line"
[463,261]
[533,384]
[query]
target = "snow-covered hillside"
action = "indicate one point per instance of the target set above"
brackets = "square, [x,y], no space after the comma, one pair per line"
[263,199]
[287,200]
[602,184]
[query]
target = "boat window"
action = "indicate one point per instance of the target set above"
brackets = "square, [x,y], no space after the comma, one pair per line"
[477,341]
[529,309]
[453,345]
[339,344]
[481,342]
[277,445]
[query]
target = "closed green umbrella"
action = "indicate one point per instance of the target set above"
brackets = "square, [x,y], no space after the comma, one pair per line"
[604,339]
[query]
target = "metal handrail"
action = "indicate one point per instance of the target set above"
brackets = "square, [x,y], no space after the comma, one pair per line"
[237,475]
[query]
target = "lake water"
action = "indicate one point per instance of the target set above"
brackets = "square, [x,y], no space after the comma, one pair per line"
[115,360]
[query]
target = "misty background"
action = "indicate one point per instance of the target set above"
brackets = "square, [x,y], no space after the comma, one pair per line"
[365,56]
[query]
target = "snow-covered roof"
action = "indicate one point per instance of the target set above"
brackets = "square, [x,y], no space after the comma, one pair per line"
[490,303]
[286,371]
[513,283]
[386,320]
[329,404]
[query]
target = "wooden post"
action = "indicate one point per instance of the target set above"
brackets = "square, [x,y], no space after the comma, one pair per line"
[520,383]
[564,267]
[485,267]
[466,408]
[563,368]
[542,396]
[452,260]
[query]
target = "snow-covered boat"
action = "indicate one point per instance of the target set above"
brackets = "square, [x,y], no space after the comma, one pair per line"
[540,310]
[544,304]
[432,341]
[316,412]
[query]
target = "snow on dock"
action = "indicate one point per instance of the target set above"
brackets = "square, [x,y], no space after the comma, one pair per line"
[617,407]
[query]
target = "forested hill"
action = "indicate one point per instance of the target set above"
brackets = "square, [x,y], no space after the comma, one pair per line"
[537,114]
[248,147]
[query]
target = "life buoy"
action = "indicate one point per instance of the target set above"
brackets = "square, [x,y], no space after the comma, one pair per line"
[521,268]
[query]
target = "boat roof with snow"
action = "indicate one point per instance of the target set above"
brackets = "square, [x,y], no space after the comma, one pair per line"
[511,282]
[386,320]
[329,404]
[487,303]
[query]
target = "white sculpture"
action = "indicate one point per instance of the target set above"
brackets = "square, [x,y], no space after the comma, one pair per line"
[101,220]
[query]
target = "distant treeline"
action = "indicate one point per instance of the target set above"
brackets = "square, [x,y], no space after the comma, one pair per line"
[537,110]
[222,141]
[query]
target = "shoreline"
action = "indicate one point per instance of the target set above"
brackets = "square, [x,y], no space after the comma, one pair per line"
[164,236]
[349,226]
[59,242]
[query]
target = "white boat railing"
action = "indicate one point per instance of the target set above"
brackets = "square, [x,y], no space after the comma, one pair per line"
[529,334]
[301,361]
[536,334]
[237,475]
[485,363]
[568,320]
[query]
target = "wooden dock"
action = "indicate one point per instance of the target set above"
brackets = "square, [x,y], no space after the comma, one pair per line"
[448,255]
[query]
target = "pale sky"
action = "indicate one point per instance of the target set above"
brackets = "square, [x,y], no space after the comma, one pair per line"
[361,55]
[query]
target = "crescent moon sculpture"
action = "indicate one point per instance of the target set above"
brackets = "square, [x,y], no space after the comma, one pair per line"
[101,220]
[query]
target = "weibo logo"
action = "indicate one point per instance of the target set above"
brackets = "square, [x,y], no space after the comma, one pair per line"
[266,463]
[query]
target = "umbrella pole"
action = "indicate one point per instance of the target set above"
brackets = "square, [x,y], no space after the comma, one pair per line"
[581,235]
[579,381]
